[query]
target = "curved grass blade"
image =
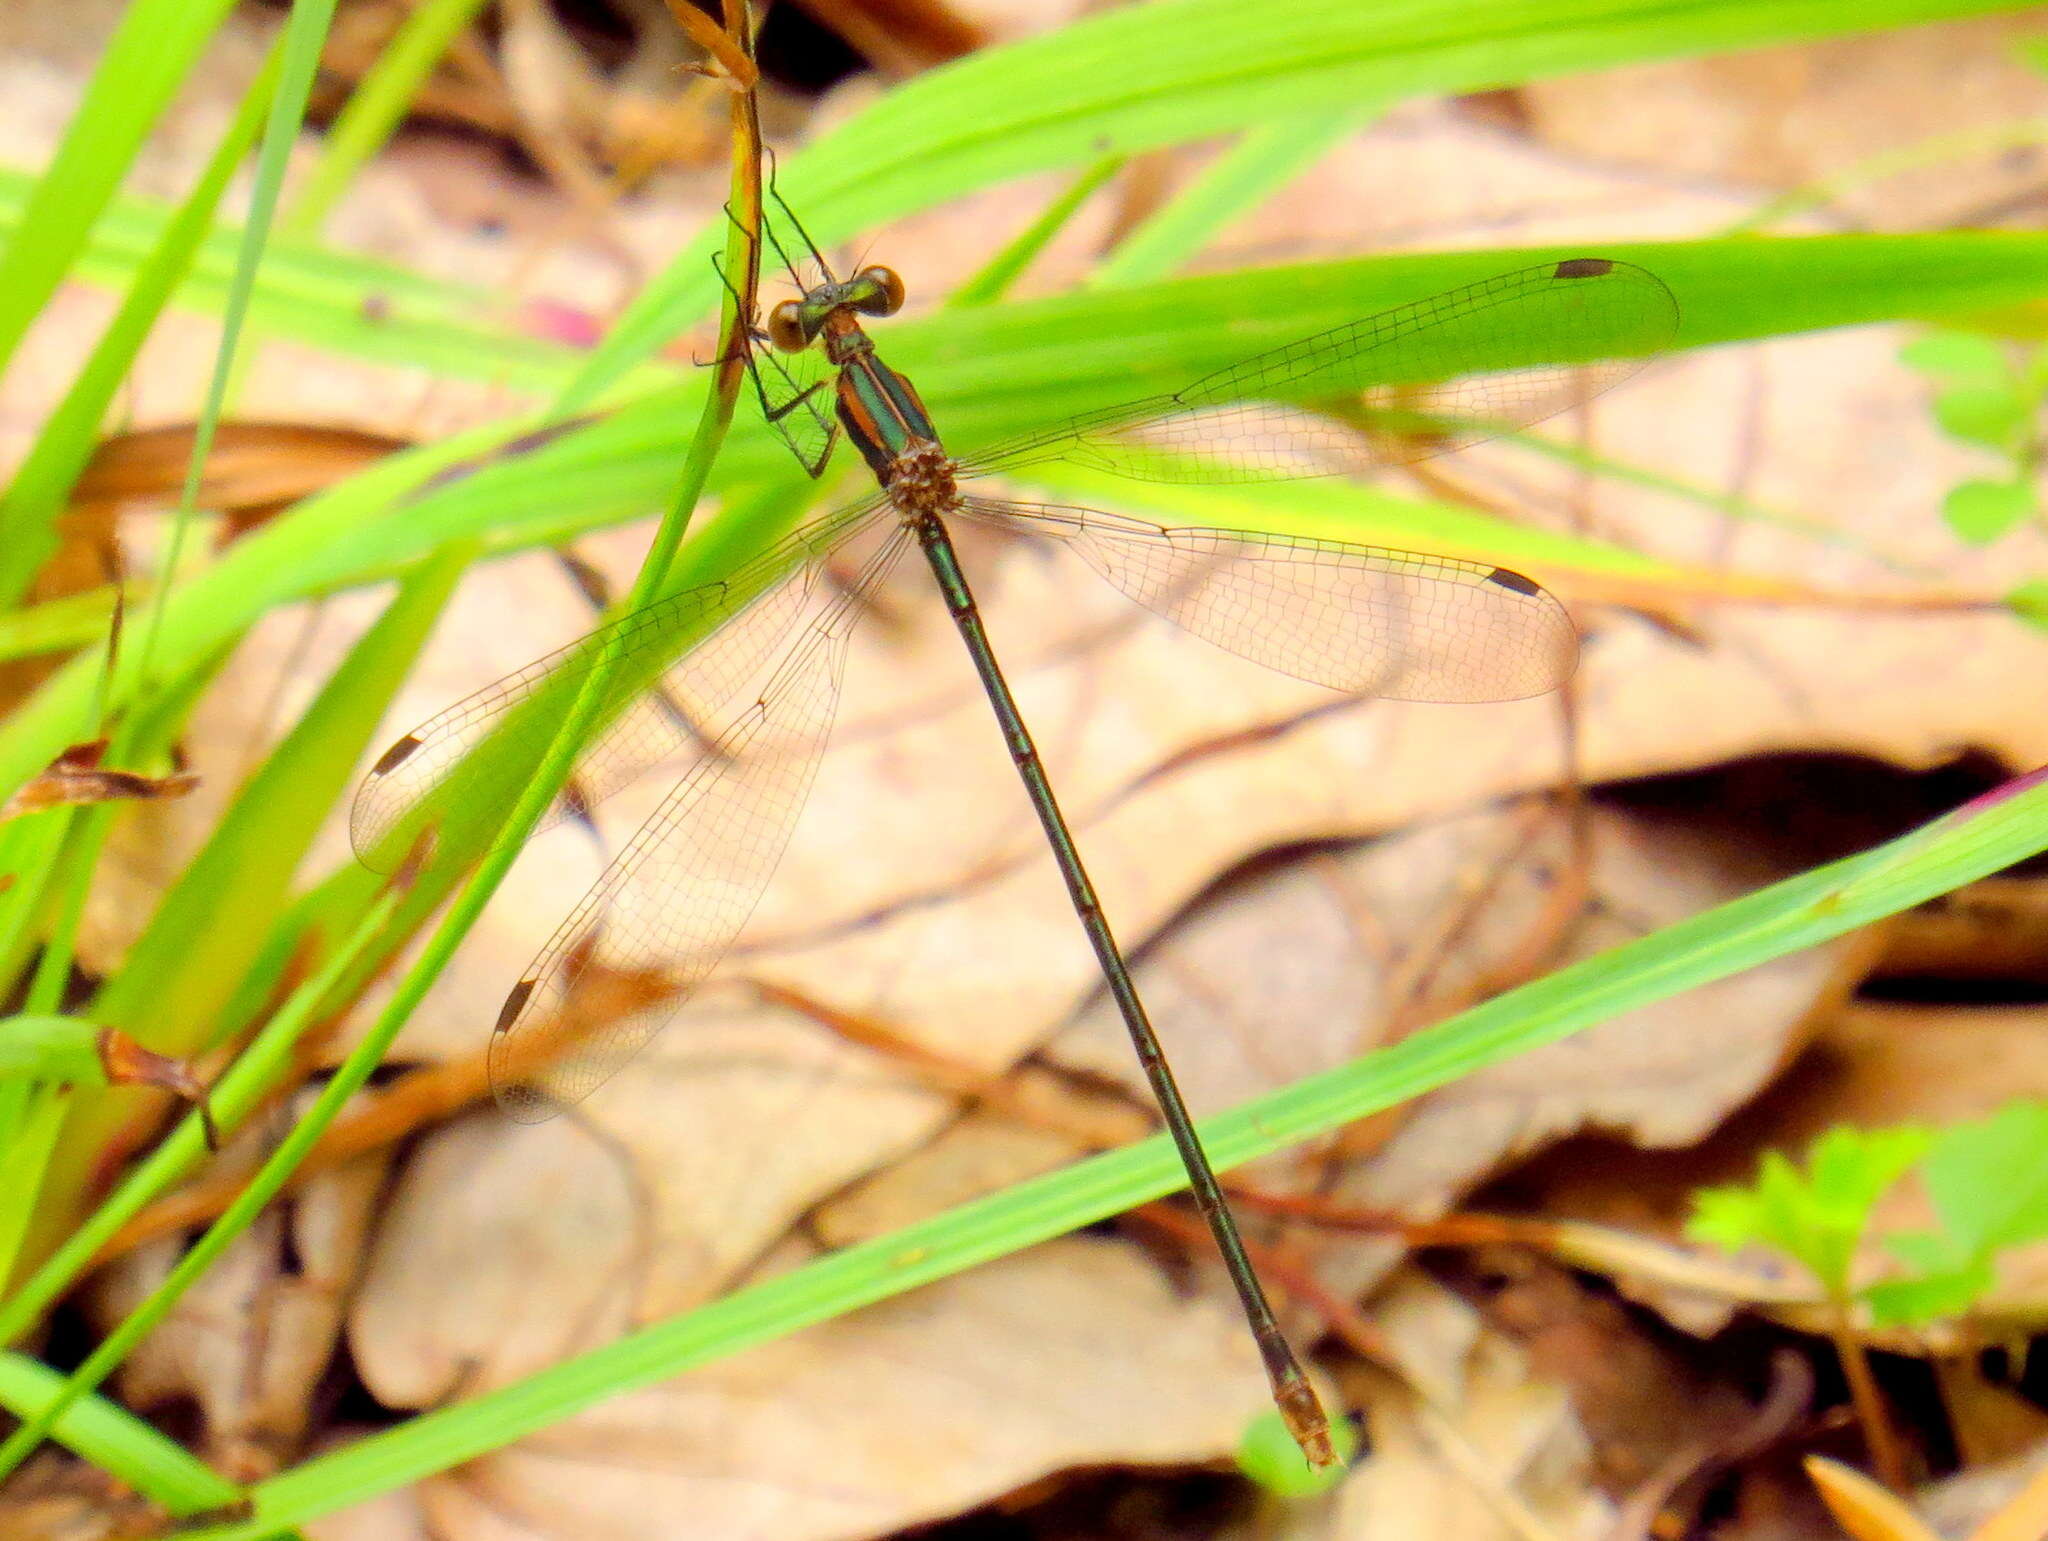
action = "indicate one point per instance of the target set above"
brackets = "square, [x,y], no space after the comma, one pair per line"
[1420,379]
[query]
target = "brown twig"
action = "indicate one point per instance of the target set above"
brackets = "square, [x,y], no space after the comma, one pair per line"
[1871,1416]
[730,46]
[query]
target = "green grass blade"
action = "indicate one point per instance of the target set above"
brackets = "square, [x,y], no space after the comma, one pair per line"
[468,904]
[57,625]
[115,1440]
[998,370]
[304,38]
[186,984]
[28,847]
[348,304]
[29,509]
[378,311]
[1003,269]
[1266,159]
[214,919]
[265,1185]
[150,52]
[52,1048]
[28,1143]
[63,884]
[376,106]
[1132,79]
[1800,912]
[148,712]
[239,1092]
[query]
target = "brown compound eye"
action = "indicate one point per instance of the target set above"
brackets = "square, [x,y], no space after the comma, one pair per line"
[881,291]
[786,327]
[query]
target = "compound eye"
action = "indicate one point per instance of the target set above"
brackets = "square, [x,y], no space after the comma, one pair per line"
[786,327]
[882,291]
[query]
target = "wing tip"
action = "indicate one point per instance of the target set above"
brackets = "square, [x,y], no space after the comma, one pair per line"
[515,1003]
[1550,664]
[1509,579]
[369,826]
[400,751]
[517,1098]
[524,1104]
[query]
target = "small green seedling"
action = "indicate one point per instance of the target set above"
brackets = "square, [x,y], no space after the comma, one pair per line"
[1816,1216]
[1269,1456]
[1987,1182]
[1989,396]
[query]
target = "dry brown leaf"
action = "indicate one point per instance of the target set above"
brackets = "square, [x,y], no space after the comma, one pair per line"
[77,777]
[87,556]
[903,36]
[596,131]
[1659,1413]
[1867,1510]
[396,1516]
[253,1338]
[1994,930]
[692,1190]
[1430,177]
[2024,1516]
[1484,1448]
[895,901]
[1305,965]
[127,1063]
[975,1157]
[742,1117]
[1991,1422]
[451,92]
[689,1178]
[1785,117]
[1075,1353]
[64,1499]
[253,469]
[1037,1123]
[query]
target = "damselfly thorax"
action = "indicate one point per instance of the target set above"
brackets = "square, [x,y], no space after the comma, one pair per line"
[878,409]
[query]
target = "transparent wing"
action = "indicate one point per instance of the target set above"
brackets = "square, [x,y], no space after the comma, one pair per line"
[660,917]
[797,400]
[737,623]
[1361,619]
[795,390]
[1411,382]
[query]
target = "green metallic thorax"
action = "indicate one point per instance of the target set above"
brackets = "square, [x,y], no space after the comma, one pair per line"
[878,408]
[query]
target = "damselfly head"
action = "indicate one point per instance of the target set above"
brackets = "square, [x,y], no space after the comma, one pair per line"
[793,325]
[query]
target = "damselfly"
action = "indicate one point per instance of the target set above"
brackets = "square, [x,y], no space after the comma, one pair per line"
[739,680]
